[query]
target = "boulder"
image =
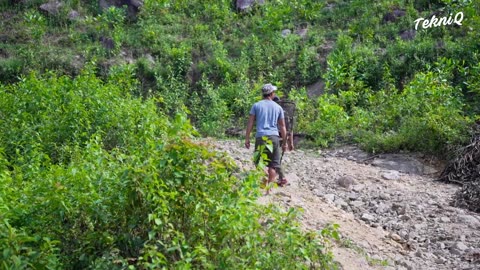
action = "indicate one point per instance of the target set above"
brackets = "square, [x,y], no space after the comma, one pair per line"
[367,217]
[345,181]
[302,32]
[393,15]
[286,32]
[52,8]
[243,5]
[408,35]
[315,90]
[401,163]
[107,43]
[391,175]
[73,15]
[329,197]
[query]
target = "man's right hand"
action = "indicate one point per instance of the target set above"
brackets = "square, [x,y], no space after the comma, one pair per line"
[247,144]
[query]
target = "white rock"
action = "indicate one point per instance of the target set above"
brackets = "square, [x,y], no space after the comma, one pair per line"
[440,260]
[340,202]
[420,226]
[286,32]
[358,187]
[471,221]
[329,197]
[460,246]
[345,181]
[445,220]
[357,204]
[395,237]
[367,217]
[391,175]
[382,208]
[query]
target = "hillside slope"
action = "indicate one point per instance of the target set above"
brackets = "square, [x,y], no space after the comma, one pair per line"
[210,58]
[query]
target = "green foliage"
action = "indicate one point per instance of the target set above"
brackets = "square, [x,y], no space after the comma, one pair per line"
[432,114]
[94,178]
[72,115]
[98,170]
[211,111]
[179,47]
[36,24]
[331,121]
[21,251]
[260,155]
[426,116]
[308,65]
[10,68]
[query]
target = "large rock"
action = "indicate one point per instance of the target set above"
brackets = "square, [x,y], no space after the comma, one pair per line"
[367,217]
[391,175]
[243,5]
[73,15]
[107,43]
[408,35]
[52,7]
[345,181]
[329,197]
[394,15]
[315,90]
[399,163]
[469,220]
[460,246]
[302,32]
[286,32]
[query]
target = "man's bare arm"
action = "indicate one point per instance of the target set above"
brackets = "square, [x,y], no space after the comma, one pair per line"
[290,141]
[251,121]
[283,133]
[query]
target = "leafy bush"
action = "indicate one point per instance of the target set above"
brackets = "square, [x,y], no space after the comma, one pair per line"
[427,116]
[94,178]
[10,68]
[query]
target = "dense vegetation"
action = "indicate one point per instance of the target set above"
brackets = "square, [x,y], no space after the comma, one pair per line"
[93,177]
[210,59]
[98,167]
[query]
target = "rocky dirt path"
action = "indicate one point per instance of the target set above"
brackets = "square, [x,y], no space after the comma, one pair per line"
[391,215]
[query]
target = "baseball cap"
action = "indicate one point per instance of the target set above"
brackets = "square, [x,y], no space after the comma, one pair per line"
[268,88]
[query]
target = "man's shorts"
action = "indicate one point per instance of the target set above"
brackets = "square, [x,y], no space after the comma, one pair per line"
[273,157]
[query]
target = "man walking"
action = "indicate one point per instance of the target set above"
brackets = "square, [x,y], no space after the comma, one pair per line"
[269,118]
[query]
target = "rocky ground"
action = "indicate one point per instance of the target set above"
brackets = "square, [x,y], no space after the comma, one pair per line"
[391,212]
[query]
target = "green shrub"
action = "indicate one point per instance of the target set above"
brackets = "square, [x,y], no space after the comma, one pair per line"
[22,251]
[427,116]
[10,69]
[94,178]
[210,112]
[331,121]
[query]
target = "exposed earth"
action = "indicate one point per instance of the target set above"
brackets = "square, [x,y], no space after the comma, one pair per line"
[391,212]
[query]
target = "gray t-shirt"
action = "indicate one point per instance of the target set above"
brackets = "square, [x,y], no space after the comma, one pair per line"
[267,113]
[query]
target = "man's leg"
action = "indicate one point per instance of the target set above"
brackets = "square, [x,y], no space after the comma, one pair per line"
[291,147]
[277,159]
[280,172]
[271,178]
[269,170]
